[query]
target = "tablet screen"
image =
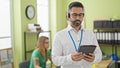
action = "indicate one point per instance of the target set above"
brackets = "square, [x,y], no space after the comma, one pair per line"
[87,49]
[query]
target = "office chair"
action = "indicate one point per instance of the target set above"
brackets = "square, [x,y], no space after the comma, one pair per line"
[24,64]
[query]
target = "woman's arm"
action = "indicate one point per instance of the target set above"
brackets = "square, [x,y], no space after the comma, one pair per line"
[36,63]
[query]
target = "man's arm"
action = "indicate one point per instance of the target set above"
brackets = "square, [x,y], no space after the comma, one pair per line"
[57,53]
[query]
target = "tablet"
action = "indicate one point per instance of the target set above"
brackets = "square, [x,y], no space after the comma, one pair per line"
[87,49]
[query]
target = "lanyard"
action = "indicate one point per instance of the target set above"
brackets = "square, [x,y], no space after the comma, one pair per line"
[74,41]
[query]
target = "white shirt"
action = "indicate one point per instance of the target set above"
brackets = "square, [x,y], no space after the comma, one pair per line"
[63,47]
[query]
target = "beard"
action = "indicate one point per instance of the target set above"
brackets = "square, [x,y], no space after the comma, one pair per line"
[76,23]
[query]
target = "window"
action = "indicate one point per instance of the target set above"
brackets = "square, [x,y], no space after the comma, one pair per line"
[43,15]
[5,24]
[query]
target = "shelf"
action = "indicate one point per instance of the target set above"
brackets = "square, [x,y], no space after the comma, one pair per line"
[30,51]
[107,29]
[29,32]
[105,44]
[36,32]
[109,44]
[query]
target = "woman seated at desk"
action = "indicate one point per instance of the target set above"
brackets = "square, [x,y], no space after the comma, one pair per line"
[41,53]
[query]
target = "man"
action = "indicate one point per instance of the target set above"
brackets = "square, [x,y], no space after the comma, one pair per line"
[67,42]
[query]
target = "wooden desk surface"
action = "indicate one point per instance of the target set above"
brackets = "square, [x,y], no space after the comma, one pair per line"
[103,63]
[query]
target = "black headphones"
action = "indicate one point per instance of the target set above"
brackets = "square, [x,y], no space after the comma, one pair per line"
[68,15]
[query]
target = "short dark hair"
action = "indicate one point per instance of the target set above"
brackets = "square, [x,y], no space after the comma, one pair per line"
[75,4]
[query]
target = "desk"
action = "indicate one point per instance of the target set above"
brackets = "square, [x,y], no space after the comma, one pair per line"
[117,64]
[103,63]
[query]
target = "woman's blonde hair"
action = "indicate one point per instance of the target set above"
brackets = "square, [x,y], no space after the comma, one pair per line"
[40,46]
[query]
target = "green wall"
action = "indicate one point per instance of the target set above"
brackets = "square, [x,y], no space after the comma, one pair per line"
[96,9]
[20,23]
[57,15]
[58,8]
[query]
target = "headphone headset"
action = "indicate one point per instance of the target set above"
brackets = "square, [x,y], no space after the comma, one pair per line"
[68,15]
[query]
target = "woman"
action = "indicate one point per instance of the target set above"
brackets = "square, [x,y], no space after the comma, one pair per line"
[40,54]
